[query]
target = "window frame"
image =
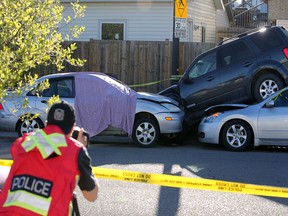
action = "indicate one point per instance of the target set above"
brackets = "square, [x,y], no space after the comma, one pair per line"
[54,80]
[124,22]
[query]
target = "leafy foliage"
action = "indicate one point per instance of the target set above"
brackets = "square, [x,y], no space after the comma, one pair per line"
[30,36]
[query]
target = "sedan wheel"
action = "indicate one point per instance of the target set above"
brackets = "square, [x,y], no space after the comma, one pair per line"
[29,125]
[145,133]
[236,135]
[267,85]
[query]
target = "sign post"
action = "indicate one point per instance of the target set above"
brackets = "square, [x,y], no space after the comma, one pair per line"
[179,31]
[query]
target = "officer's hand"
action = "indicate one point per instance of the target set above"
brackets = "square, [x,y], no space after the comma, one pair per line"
[81,138]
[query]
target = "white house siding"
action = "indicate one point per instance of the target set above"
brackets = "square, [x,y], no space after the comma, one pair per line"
[143,21]
[203,13]
[147,20]
[222,18]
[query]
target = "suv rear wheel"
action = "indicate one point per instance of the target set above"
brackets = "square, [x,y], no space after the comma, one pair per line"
[266,85]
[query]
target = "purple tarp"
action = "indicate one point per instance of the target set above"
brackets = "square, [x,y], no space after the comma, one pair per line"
[102,101]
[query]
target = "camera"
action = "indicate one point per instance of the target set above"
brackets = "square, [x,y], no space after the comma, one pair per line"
[85,134]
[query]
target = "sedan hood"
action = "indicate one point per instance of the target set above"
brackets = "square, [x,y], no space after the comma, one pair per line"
[156,98]
[223,107]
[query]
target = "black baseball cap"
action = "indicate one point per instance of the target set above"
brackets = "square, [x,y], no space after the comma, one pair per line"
[61,114]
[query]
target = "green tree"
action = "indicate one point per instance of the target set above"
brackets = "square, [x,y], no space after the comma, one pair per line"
[29,36]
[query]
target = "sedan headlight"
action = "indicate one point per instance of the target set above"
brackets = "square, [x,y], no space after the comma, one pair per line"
[211,118]
[171,107]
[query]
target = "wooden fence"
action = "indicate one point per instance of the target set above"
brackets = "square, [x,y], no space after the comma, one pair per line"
[136,62]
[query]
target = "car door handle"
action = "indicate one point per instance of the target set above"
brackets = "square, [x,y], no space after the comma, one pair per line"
[210,78]
[43,101]
[247,64]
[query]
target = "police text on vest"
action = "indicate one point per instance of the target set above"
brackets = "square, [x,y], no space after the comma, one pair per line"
[38,186]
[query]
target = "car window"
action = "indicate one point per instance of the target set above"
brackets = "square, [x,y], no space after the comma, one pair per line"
[267,40]
[204,65]
[234,53]
[65,88]
[281,100]
[62,87]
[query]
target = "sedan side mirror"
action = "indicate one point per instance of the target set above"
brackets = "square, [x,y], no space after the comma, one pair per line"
[270,104]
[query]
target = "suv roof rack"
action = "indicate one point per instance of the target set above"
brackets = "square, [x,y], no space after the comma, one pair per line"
[243,34]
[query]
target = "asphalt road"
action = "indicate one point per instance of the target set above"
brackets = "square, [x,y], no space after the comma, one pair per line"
[261,166]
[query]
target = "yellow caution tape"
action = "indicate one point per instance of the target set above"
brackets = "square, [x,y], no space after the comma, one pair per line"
[176,77]
[6,162]
[173,77]
[184,182]
[147,84]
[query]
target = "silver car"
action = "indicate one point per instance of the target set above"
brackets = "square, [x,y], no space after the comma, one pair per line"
[240,126]
[155,115]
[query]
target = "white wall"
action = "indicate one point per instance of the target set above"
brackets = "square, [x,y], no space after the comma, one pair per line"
[143,21]
[150,20]
[222,18]
[203,14]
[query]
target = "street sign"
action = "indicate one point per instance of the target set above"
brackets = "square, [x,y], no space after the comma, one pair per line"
[180,9]
[180,28]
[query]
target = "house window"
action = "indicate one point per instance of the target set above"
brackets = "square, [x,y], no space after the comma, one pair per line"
[112,31]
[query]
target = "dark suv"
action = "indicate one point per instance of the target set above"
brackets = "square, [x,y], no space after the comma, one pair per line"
[242,69]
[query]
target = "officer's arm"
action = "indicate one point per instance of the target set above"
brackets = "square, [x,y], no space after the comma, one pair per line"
[92,195]
[88,183]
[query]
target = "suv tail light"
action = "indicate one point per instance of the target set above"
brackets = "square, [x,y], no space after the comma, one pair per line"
[1,107]
[285,50]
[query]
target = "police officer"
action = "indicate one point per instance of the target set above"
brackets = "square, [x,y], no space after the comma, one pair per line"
[47,165]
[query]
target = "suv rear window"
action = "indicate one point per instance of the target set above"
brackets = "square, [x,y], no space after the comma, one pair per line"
[267,40]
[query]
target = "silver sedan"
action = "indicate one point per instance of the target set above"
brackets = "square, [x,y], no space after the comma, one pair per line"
[240,126]
[152,116]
